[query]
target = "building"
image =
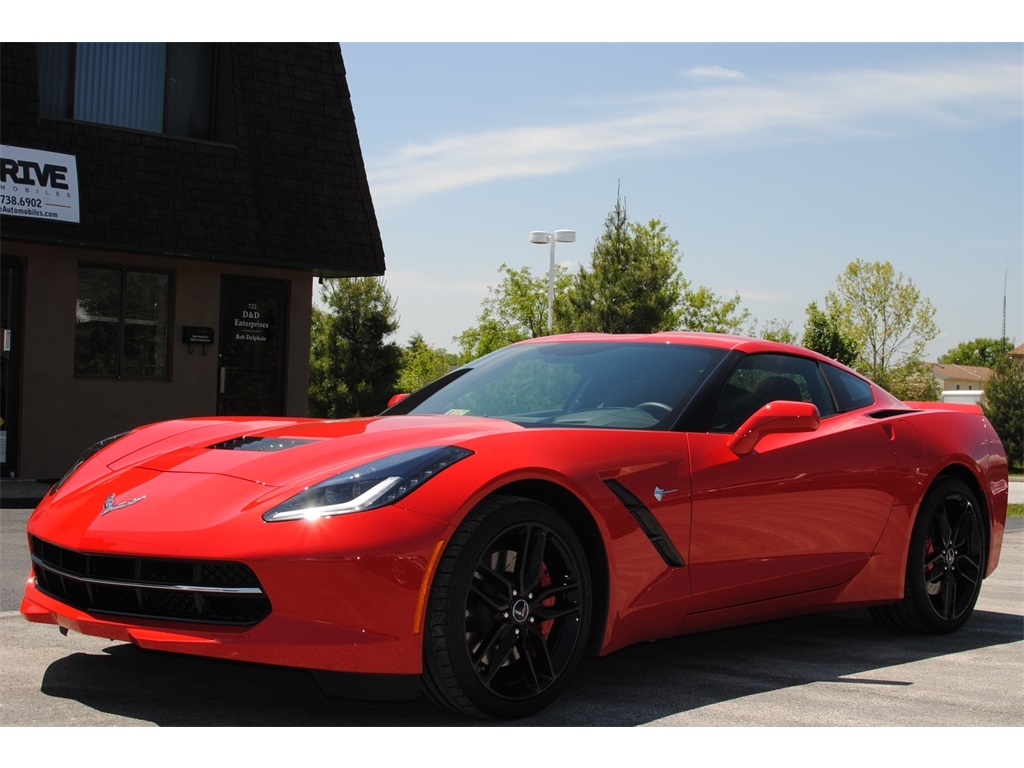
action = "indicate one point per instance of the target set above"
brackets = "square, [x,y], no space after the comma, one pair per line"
[165,211]
[953,377]
[961,383]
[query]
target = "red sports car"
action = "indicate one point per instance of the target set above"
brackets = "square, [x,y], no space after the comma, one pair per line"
[564,496]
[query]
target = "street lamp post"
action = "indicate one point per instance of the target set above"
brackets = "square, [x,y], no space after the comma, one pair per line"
[558,236]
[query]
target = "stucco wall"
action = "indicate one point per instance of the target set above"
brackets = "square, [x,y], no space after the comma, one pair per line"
[62,414]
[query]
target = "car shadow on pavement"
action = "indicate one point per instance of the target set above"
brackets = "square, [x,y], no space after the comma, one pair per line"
[637,685]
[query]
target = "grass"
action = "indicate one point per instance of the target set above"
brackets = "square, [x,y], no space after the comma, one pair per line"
[1015,510]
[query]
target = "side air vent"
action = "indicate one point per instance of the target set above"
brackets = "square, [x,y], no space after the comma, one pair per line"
[889,413]
[262,444]
[648,524]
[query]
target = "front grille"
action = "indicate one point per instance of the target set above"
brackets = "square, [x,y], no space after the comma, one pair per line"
[199,591]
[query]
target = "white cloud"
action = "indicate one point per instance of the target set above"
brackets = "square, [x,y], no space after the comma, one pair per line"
[816,107]
[713,72]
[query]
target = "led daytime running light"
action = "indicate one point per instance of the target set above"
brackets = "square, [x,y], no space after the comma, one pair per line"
[370,486]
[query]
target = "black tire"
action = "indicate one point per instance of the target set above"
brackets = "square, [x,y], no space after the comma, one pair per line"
[506,633]
[945,563]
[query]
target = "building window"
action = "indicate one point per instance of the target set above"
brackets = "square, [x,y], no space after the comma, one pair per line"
[121,323]
[159,87]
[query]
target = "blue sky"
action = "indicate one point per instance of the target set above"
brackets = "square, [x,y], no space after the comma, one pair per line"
[773,165]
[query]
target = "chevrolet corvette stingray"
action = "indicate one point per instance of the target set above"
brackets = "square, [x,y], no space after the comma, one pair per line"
[563,496]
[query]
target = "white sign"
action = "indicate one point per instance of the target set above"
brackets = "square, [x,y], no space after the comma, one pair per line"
[38,185]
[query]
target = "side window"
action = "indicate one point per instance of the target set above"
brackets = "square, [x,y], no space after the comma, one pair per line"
[851,392]
[760,379]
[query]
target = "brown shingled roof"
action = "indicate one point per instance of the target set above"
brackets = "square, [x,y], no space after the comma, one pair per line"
[978,373]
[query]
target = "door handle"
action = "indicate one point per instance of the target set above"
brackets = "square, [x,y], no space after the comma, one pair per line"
[223,377]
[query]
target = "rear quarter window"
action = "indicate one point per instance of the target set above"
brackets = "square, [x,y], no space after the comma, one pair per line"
[850,391]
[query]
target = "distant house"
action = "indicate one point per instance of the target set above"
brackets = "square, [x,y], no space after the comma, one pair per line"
[961,383]
[952,377]
[1018,353]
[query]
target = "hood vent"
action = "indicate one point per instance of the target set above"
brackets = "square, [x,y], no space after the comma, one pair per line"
[261,444]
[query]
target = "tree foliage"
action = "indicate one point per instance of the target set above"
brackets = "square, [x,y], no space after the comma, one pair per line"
[515,309]
[989,353]
[422,364]
[1004,406]
[778,330]
[823,332]
[886,315]
[633,284]
[703,311]
[353,368]
[913,380]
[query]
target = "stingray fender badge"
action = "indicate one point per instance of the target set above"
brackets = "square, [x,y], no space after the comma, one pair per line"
[110,506]
[660,493]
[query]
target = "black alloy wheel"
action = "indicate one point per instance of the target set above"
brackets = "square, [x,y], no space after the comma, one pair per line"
[509,611]
[945,564]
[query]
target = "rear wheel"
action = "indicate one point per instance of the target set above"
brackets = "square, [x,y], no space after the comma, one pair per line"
[509,611]
[945,563]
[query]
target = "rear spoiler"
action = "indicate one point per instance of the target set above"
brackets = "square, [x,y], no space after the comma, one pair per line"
[934,406]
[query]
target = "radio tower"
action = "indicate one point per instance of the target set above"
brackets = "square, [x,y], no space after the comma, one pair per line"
[1004,307]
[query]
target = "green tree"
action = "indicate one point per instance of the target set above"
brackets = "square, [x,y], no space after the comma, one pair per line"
[886,315]
[913,380]
[702,310]
[353,368]
[422,363]
[778,330]
[989,353]
[515,309]
[633,284]
[1003,404]
[823,333]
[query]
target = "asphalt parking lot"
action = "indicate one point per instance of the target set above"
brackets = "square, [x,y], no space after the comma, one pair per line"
[834,669]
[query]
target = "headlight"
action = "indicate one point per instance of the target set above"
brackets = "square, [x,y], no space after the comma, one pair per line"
[91,451]
[369,486]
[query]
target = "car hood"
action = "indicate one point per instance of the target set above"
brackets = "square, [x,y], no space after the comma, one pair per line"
[287,452]
[146,490]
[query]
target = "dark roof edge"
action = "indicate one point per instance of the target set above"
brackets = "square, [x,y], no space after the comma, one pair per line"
[318,270]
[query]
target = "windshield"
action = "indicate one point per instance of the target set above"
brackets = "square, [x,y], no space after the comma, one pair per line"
[617,385]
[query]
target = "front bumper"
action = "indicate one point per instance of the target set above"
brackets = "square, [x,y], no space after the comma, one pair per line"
[346,594]
[280,639]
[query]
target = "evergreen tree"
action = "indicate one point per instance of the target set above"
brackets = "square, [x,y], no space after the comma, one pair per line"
[633,284]
[1003,404]
[354,370]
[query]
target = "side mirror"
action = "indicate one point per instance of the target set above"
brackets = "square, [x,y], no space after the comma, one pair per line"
[778,416]
[396,399]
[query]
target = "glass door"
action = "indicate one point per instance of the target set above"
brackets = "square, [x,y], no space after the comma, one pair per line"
[253,341]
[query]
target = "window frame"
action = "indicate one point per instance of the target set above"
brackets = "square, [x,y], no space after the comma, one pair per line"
[120,357]
[824,390]
[839,398]
[65,78]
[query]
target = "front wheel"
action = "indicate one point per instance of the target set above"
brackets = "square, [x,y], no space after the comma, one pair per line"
[509,611]
[945,563]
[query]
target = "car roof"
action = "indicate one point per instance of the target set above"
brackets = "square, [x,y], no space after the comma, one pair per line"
[716,340]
